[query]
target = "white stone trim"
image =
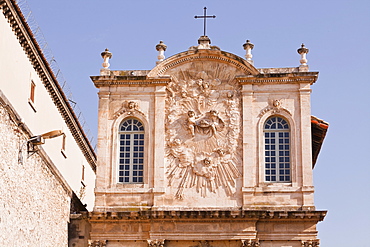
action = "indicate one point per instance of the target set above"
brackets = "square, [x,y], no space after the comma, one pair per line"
[293,152]
[114,152]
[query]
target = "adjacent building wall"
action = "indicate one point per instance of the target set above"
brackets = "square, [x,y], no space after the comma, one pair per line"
[35,202]
[42,115]
[36,188]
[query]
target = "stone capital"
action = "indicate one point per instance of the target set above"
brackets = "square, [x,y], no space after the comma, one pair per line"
[156,243]
[311,243]
[250,242]
[97,243]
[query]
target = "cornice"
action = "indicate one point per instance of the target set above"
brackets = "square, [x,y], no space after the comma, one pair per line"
[100,81]
[272,78]
[280,78]
[201,55]
[211,215]
[26,39]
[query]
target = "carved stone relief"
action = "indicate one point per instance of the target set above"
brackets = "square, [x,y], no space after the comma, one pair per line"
[311,243]
[156,243]
[276,106]
[203,130]
[129,108]
[250,243]
[97,243]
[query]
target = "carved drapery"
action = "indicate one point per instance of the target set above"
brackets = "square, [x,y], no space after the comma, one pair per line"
[203,128]
[250,243]
[97,243]
[156,243]
[311,243]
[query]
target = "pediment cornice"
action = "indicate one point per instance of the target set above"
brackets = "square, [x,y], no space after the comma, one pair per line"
[203,55]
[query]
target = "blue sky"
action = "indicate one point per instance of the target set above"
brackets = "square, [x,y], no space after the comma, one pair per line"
[336,32]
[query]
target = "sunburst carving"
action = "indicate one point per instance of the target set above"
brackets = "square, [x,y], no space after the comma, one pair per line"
[203,126]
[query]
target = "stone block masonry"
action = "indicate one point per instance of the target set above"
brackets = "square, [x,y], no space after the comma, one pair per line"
[34,205]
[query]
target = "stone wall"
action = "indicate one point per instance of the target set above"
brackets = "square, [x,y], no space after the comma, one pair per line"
[34,204]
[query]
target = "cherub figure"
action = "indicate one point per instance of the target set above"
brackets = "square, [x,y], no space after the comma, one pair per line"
[216,122]
[191,122]
[131,105]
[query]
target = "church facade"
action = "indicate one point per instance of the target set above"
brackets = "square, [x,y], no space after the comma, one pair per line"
[206,150]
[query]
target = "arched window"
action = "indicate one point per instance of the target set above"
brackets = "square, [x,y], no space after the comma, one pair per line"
[277,150]
[131,151]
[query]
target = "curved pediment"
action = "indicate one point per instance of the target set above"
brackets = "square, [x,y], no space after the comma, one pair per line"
[204,59]
[203,123]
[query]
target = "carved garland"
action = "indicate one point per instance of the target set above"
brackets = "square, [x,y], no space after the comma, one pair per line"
[275,106]
[130,108]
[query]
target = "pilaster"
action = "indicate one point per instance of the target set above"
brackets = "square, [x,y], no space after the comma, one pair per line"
[250,170]
[305,144]
[159,137]
[102,174]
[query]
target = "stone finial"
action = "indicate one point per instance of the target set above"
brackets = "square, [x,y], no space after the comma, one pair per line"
[204,42]
[106,55]
[248,47]
[303,51]
[161,48]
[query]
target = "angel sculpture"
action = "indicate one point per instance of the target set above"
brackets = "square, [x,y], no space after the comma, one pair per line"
[203,171]
[208,124]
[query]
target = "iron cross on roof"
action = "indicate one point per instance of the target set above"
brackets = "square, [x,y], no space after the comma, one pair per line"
[205,16]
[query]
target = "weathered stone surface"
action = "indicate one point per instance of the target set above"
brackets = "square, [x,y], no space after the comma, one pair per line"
[204,183]
[34,206]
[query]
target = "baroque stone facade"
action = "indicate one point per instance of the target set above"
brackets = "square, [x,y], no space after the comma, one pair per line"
[35,204]
[187,156]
